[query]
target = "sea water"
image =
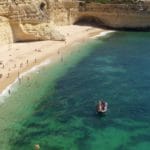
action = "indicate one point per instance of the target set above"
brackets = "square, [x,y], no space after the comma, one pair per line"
[55,106]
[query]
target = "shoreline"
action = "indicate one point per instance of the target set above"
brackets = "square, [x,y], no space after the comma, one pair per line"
[45,52]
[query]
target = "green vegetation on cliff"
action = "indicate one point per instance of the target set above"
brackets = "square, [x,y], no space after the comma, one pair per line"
[115,1]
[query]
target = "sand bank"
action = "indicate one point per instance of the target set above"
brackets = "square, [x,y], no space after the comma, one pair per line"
[17,58]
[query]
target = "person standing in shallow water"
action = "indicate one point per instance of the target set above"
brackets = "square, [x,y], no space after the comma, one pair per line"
[37,147]
[61,58]
[9,92]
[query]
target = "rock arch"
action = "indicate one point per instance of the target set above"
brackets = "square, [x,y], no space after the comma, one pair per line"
[42,6]
[89,20]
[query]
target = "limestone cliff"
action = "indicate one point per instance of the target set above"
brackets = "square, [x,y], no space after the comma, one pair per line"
[5,30]
[133,16]
[29,20]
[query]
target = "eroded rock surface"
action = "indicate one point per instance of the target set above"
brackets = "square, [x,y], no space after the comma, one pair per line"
[31,20]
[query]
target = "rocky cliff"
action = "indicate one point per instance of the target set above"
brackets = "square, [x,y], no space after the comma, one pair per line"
[30,20]
[118,16]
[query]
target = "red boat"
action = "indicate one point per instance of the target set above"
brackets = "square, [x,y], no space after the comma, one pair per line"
[102,107]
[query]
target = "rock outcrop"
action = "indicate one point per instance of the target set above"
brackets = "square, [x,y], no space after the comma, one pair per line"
[5,30]
[30,20]
[118,16]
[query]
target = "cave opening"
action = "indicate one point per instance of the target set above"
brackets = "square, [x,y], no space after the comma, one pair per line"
[91,21]
[42,6]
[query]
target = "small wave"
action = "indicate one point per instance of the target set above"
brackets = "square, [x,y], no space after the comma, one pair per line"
[35,68]
[5,92]
[104,33]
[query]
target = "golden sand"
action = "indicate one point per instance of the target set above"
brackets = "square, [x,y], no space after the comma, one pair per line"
[17,58]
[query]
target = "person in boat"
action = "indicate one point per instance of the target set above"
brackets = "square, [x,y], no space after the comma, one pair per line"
[102,106]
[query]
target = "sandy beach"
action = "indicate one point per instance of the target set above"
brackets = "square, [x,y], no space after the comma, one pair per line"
[16,58]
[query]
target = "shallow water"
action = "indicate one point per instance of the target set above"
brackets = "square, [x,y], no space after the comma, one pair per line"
[56,108]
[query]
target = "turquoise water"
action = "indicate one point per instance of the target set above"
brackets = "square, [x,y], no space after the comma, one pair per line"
[56,107]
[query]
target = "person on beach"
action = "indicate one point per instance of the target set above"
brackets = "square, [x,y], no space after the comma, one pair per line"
[61,59]
[9,92]
[1,75]
[27,61]
[18,74]
[19,79]
[8,75]
[21,65]
[65,41]
[39,50]
[28,78]
[14,65]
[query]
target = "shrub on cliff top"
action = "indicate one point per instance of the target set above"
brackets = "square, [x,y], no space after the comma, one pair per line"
[115,1]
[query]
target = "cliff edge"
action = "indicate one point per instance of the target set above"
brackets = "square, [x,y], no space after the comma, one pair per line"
[32,20]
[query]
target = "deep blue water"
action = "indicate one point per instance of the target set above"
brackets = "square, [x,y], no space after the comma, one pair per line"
[118,70]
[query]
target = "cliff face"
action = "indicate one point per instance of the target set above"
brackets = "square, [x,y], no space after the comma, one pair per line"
[29,20]
[133,16]
[5,30]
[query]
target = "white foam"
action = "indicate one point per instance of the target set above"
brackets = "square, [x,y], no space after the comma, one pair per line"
[104,33]
[5,92]
[35,68]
